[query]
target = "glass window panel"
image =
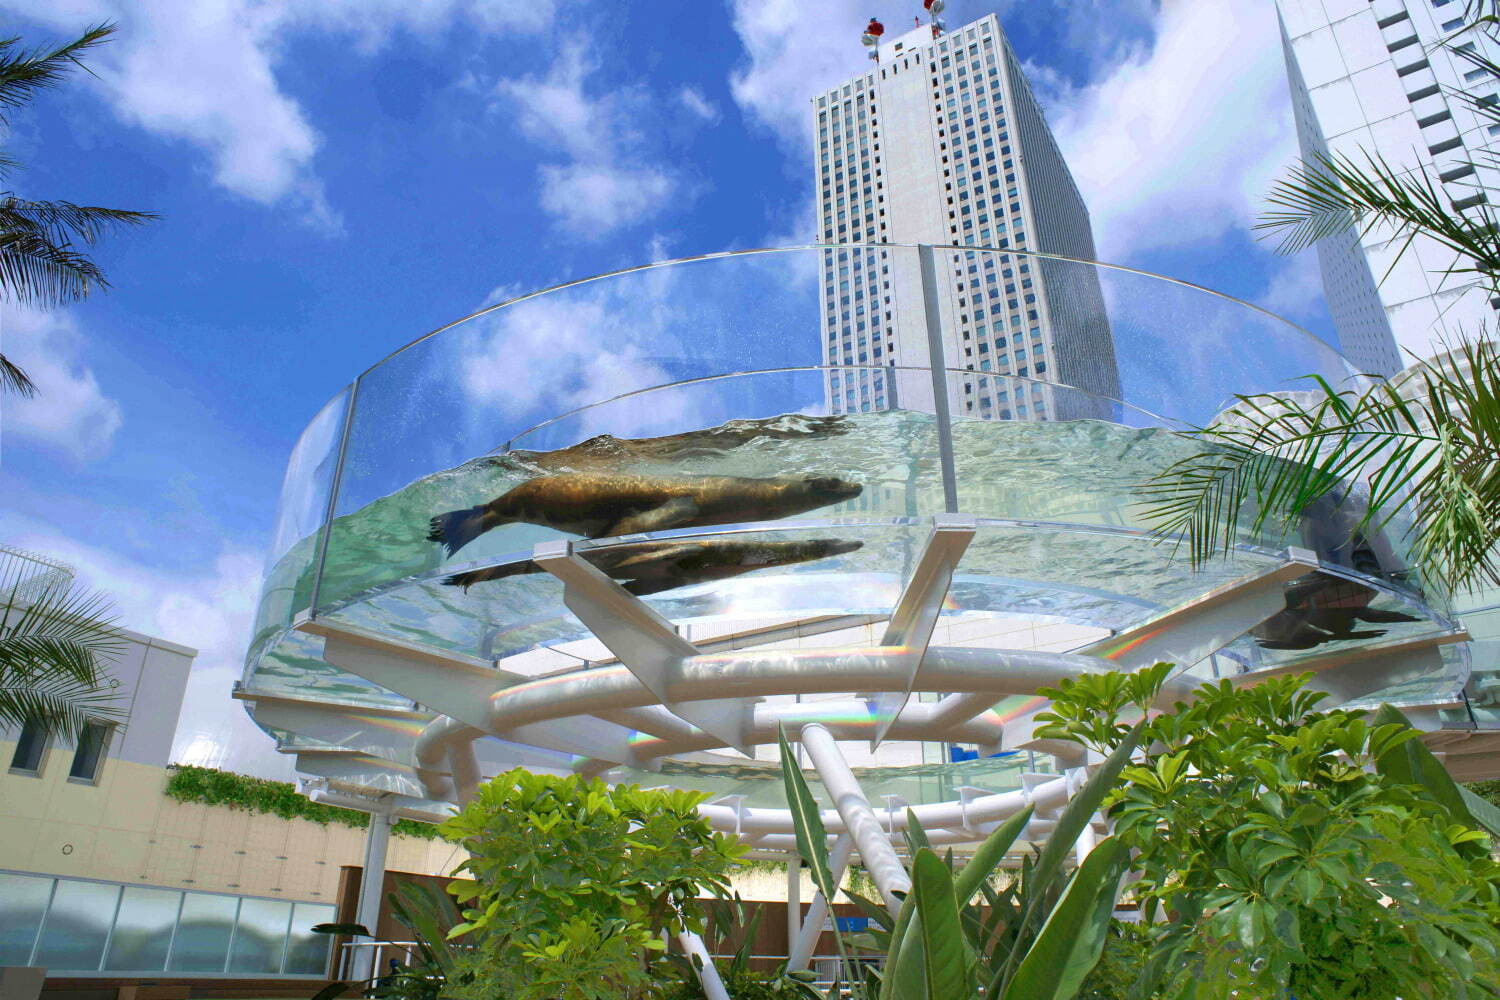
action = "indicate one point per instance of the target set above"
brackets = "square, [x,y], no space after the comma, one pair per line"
[143,929]
[260,936]
[30,748]
[77,926]
[23,900]
[90,753]
[306,952]
[202,942]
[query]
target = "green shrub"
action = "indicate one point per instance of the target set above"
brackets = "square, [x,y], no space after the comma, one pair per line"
[574,882]
[213,787]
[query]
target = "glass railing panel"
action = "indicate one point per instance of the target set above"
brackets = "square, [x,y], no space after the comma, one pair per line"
[23,901]
[77,925]
[306,952]
[203,933]
[143,929]
[260,936]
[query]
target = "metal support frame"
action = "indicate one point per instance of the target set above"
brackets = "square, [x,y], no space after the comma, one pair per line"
[805,941]
[937,366]
[916,613]
[372,887]
[859,819]
[703,963]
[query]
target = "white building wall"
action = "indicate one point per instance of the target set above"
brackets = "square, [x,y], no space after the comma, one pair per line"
[943,143]
[1377,80]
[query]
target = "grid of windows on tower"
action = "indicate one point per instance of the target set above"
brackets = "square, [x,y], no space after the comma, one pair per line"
[982,198]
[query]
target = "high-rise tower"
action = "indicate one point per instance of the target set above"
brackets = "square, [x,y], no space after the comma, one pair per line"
[942,142]
[1372,76]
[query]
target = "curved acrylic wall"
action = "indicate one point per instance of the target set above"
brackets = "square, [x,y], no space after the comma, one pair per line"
[1060,385]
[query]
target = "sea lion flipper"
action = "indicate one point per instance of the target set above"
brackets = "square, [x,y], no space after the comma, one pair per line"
[674,513]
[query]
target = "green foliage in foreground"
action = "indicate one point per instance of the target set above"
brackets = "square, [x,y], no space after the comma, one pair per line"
[1290,851]
[574,884]
[277,798]
[956,937]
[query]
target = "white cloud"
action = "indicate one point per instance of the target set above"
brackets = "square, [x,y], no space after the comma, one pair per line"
[1178,141]
[204,72]
[693,99]
[1295,290]
[609,179]
[595,198]
[790,60]
[211,611]
[70,412]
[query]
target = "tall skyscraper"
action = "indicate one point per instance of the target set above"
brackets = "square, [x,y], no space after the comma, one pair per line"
[942,142]
[1372,76]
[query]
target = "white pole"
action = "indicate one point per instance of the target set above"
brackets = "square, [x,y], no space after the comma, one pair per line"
[708,975]
[806,942]
[371,890]
[859,819]
[793,896]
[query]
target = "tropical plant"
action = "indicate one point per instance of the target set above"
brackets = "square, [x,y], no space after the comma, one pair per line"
[955,935]
[575,883]
[733,926]
[1289,851]
[55,640]
[1425,446]
[40,263]
[1421,450]
[429,914]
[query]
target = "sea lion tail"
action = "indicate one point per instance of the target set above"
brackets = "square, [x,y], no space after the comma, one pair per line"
[457,528]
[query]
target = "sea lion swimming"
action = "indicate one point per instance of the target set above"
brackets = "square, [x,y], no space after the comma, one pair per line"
[1322,608]
[652,567]
[596,504]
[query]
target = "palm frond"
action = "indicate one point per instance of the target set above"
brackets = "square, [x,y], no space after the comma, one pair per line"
[14,379]
[34,271]
[62,222]
[1423,450]
[1330,195]
[23,73]
[55,642]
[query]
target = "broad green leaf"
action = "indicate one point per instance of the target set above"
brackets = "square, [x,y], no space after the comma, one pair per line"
[1411,762]
[945,949]
[916,837]
[1068,946]
[812,839]
[904,975]
[988,857]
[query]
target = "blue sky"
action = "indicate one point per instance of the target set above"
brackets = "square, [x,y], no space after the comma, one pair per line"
[338,176]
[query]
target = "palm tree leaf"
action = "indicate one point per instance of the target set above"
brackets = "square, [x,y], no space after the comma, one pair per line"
[14,379]
[34,271]
[61,222]
[24,73]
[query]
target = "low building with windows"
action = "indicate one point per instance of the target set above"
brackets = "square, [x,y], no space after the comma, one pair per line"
[104,876]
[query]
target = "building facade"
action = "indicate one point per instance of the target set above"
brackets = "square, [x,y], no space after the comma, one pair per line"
[1372,77]
[942,142]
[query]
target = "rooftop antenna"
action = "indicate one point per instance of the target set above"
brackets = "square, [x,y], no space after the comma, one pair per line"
[934,8]
[871,38]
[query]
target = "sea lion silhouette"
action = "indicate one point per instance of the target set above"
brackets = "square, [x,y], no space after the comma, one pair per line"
[1323,608]
[652,567]
[595,505]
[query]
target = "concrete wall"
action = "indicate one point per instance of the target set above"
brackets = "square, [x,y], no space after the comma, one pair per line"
[125,829]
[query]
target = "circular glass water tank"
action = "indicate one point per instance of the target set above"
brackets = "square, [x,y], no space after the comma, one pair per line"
[634,525]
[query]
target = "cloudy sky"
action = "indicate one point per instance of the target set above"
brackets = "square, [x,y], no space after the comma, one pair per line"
[336,177]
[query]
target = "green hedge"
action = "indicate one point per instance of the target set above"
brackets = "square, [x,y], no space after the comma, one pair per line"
[213,787]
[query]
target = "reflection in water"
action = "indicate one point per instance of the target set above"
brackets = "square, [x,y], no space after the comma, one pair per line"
[652,567]
[1323,608]
[602,504]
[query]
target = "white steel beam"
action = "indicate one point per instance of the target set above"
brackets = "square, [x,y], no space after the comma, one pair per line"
[1193,631]
[643,640]
[916,612]
[805,942]
[859,819]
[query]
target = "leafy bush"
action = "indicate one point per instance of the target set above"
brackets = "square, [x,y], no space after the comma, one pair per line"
[213,787]
[574,884]
[1288,849]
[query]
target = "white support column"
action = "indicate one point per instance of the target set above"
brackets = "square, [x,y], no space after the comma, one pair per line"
[793,895]
[806,941]
[859,819]
[708,973]
[372,888]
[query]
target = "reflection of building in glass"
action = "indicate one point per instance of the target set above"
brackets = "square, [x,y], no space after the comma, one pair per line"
[943,142]
[1372,77]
